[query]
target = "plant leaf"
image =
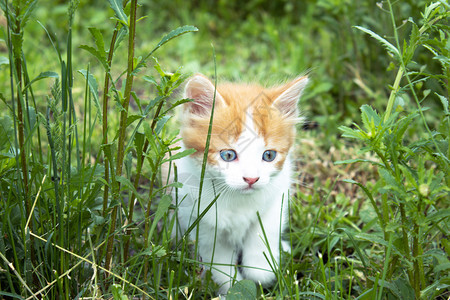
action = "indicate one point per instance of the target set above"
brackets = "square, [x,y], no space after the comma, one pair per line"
[30,6]
[117,6]
[153,103]
[351,133]
[244,289]
[117,292]
[444,102]
[376,239]
[179,155]
[163,207]
[389,47]
[93,86]
[99,42]
[161,122]
[42,75]
[126,182]
[150,79]
[175,33]
[370,118]
[97,54]
[132,118]
[6,132]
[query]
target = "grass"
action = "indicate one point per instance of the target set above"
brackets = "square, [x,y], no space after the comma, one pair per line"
[84,213]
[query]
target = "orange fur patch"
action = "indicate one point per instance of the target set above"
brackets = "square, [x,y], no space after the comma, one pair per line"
[229,120]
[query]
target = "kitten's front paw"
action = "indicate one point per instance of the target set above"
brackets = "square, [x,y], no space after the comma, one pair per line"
[265,278]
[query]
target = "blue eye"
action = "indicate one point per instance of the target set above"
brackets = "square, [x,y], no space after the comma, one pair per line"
[228,155]
[269,155]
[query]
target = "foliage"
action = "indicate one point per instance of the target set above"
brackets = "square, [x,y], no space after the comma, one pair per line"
[69,231]
[413,188]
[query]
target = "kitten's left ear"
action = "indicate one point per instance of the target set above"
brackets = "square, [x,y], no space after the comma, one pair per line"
[286,103]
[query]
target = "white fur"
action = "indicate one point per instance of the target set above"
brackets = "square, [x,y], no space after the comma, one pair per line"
[232,221]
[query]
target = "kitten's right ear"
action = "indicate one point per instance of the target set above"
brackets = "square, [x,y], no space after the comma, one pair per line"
[286,103]
[201,90]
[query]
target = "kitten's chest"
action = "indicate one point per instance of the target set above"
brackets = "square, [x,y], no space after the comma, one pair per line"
[235,223]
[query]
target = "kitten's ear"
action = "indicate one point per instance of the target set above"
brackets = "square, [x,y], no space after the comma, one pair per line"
[201,90]
[286,103]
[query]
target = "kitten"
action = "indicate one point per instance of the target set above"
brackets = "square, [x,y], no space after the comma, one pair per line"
[248,167]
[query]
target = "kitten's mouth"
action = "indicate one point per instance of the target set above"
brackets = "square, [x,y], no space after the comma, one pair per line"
[249,189]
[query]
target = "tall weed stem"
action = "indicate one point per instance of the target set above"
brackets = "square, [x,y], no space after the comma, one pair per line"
[105,115]
[15,49]
[122,127]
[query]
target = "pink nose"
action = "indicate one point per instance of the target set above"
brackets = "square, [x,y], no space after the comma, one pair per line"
[250,181]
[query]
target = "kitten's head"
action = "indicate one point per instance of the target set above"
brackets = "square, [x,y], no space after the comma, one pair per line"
[253,129]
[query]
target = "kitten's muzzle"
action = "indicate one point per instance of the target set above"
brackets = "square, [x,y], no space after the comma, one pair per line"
[250,180]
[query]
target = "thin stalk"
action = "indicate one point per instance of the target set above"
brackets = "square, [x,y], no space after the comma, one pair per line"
[53,164]
[205,155]
[422,116]
[22,281]
[7,225]
[127,94]
[23,160]
[169,289]
[417,251]
[399,76]
[73,135]
[147,216]
[8,275]
[394,92]
[30,88]
[131,202]
[105,115]
[385,267]
[385,215]
[391,13]
[122,127]
[136,183]
[16,67]
[65,171]
[405,242]
[109,245]
[72,112]
[86,97]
